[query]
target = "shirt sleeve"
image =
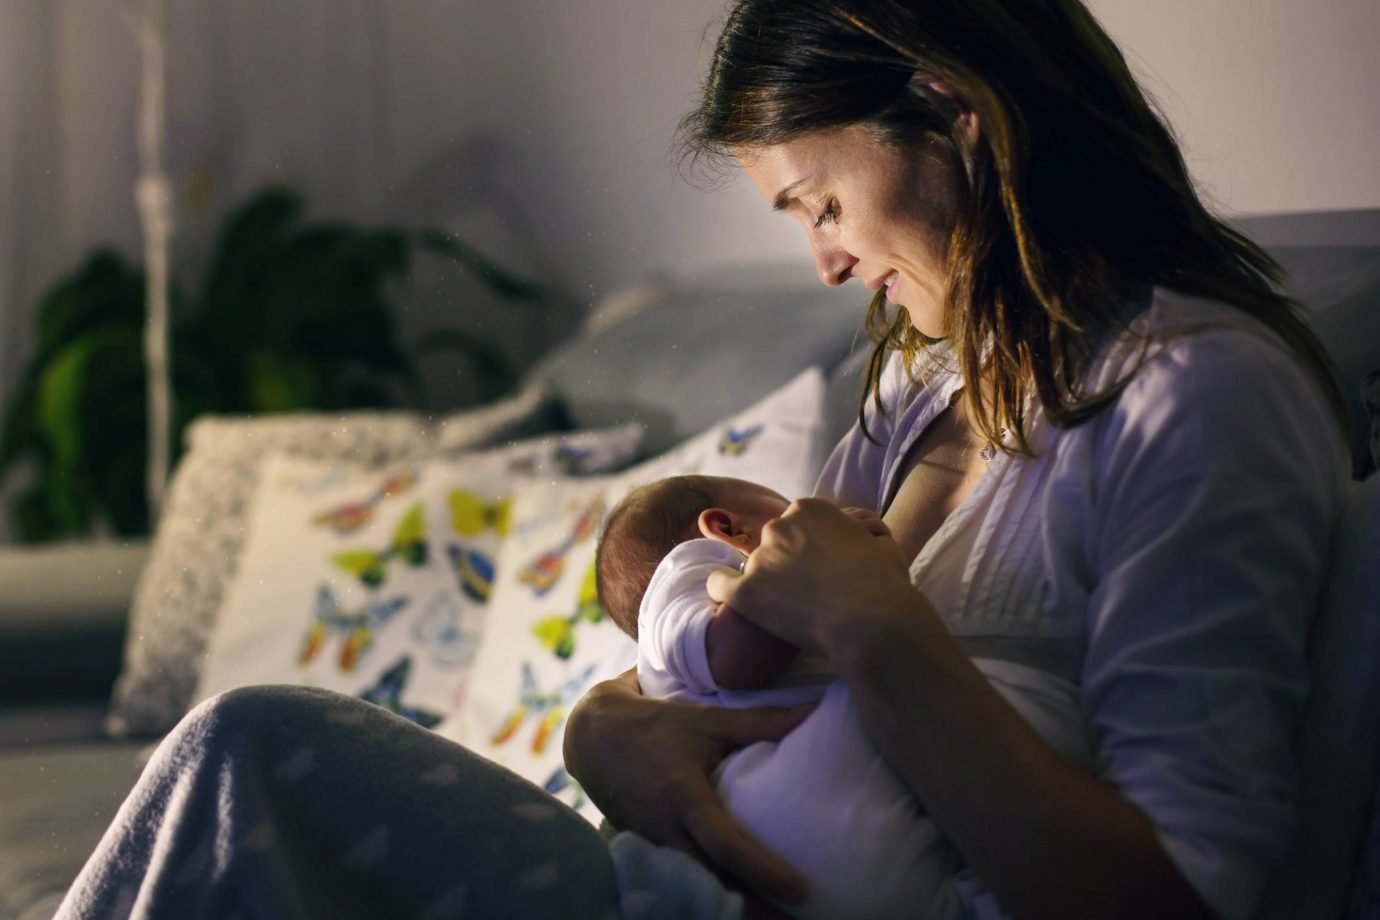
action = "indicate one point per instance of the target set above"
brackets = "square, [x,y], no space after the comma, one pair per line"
[1217,483]
[675,614]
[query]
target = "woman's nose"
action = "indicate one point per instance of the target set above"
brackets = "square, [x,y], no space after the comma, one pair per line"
[833,262]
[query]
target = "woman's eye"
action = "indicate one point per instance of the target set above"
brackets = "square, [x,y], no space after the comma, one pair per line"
[830,213]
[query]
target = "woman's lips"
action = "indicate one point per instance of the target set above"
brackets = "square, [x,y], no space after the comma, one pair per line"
[884,281]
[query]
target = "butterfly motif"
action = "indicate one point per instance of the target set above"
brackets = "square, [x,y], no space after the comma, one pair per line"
[471,515]
[542,573]
[557,633]
[388,694]
[525,465]
[572,460]
[313,485]
[549,706]
[351,516]
[559,781]
[408,545]
[440,628]
[358,627]
[735,443]
[474,569]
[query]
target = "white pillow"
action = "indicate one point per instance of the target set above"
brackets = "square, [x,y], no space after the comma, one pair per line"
[375,582]
[197,544]
[551,640]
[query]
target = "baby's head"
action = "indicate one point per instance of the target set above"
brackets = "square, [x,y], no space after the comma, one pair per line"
[656,518]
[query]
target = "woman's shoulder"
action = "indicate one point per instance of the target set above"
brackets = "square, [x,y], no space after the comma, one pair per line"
[1205,375]
[1177,329]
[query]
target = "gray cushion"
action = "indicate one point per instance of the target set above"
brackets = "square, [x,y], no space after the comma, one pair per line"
[1340,287]
[61,636]
[58,802]
[843,393]
[703,350]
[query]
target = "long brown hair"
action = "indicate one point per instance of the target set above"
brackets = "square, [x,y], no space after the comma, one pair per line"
[1075,198]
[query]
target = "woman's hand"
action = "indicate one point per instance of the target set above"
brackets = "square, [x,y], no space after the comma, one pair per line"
[818,571]
[646,764]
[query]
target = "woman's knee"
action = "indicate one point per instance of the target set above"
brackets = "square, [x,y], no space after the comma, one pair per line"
[243,715]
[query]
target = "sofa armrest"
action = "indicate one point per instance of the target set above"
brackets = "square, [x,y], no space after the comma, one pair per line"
[63,610]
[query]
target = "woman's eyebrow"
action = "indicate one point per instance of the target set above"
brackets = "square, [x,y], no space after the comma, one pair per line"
[782,200]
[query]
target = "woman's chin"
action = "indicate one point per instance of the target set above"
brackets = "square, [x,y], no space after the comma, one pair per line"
[928,325]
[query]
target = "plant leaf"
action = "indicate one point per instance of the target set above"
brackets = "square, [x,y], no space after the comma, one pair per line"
[105,291]
[498,280]
[279,383]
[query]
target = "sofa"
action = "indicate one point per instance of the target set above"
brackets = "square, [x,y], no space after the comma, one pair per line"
[655,355]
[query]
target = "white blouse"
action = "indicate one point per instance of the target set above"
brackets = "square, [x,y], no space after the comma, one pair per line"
[1167,556]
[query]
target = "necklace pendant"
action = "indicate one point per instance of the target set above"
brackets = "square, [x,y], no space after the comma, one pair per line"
[988,451]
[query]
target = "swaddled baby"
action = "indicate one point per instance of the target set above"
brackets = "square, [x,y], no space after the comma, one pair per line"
[822,797]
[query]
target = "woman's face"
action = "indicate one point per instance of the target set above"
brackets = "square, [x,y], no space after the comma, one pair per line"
[869,212]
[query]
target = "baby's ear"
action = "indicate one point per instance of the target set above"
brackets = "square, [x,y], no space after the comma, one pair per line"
[718,524]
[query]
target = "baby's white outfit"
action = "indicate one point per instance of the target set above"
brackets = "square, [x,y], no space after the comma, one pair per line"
[823,798]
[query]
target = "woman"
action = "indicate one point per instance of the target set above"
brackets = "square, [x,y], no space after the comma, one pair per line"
[1102,445]
[1163,474]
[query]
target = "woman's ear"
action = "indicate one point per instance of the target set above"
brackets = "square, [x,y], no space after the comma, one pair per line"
[719,524]
[950,105]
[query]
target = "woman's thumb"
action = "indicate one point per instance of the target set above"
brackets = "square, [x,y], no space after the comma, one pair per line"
[722,585]
[745,726]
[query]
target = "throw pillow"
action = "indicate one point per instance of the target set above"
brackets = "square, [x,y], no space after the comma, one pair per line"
[196,548]
[552,640]
[375,582]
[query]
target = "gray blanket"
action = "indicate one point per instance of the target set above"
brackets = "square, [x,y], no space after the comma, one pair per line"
[275,802]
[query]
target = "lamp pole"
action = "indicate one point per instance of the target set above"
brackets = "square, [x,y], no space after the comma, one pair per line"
[153,195]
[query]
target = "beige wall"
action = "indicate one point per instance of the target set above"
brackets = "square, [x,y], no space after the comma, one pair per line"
[539,128]
[1276,101]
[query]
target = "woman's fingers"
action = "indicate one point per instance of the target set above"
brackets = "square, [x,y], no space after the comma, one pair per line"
[711,827]
[722,584]
[737,727]
[869,519]
[647,763]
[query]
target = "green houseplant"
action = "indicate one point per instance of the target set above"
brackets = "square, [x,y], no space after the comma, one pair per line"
[290,316]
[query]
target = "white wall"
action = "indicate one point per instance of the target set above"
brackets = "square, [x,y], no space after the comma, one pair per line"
[540,129]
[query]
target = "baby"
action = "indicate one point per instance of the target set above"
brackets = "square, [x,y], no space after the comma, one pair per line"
[822,797]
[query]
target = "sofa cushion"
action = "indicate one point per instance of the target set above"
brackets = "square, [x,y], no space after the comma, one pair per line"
[58,801]
[60,636]
[690,354]
[1339,287]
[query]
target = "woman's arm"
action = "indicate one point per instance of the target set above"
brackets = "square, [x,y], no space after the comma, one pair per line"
[1048,839]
